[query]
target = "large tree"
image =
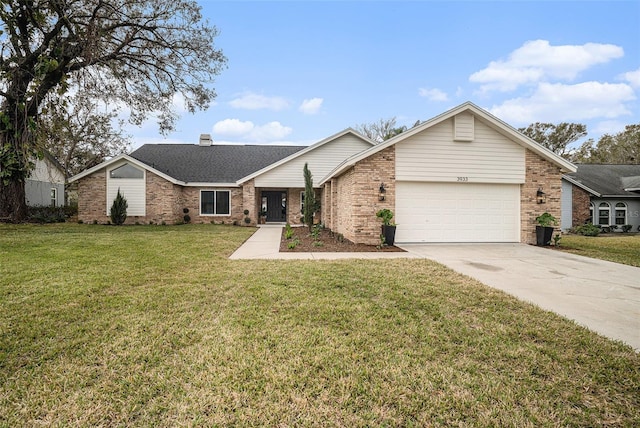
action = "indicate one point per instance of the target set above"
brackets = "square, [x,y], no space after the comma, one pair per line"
[556,138]
[620,148]
[81,132]
[139,53]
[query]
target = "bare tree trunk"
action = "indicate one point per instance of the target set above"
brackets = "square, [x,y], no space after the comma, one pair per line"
[13,204]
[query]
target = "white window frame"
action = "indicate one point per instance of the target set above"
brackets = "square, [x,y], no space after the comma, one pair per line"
[54,197]
[620,206]
[126,178]
[604,206]
[592,212]
[215,208]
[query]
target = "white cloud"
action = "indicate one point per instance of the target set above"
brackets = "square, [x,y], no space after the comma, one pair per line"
[537,61]
[233,127]
[251,101]
[249,132]
[270,132]
[559,102]
[311,106]
[633,77]
[608,127]
[433,94]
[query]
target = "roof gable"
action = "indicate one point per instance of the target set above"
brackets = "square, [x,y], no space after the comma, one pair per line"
[467,108]
[314,147]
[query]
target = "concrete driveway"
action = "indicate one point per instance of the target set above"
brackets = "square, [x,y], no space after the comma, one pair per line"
[603,296]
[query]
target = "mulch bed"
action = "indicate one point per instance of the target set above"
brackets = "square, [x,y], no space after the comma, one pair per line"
[327,242]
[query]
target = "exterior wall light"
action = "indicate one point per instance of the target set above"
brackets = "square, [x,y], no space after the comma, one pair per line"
[382,192]
[541,197]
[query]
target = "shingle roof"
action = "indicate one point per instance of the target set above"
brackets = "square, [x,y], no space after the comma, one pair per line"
[211,164]
[608,180]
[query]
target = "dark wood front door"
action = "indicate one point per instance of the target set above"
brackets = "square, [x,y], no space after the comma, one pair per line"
[275,203]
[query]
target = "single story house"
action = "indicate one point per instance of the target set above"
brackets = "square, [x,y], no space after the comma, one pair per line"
[45,184]
[462,176]
[606,195]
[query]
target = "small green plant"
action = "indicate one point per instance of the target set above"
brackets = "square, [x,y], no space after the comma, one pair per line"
[186,218]
[246,212]
[80,222]
[247,220]
[340,237]
[288,231]
[118,213]
[587,230]
[293,244]
[385,215]
[315,232]
[383,241]
[318,243]
[546,220]
[556,240]
[95,221]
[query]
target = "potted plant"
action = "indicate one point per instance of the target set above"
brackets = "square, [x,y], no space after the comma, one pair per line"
[263,216]
[544,230]
[388,228]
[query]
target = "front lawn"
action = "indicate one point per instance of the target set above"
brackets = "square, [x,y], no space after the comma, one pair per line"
[154,326]
[614,247]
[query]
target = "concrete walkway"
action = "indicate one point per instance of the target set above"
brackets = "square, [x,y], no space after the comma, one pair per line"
[600,295]
[265,244]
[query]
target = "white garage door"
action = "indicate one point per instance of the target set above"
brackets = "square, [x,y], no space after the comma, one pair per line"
[457,212]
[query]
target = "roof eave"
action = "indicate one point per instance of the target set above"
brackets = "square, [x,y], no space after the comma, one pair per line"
[581,185]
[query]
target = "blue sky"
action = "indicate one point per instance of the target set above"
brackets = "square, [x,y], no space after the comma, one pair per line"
[300,71]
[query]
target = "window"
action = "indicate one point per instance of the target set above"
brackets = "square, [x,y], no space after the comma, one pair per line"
[591,209]
[603,214]
[126,171]
[302,203]
[621,213]
[215,202]
[54,196]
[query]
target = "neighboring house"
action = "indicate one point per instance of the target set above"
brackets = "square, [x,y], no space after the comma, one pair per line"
[45,184]
[463,176]
[605,195]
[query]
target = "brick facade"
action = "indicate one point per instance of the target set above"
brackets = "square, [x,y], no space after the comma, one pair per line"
[580,205]
[544,175]
[353,200]
[165,202]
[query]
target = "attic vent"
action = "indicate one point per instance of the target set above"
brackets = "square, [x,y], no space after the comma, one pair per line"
[463,127]
[205,140]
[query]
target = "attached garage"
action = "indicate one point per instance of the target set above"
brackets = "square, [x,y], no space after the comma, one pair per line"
[457,212]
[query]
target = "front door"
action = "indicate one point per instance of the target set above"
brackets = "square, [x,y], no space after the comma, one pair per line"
[275,204]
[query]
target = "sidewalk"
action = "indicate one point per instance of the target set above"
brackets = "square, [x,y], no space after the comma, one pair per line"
[265,244]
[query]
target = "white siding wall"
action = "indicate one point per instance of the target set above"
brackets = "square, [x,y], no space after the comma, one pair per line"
[433,155]
[321,161]
[133,190]
[464,129]
[46,171]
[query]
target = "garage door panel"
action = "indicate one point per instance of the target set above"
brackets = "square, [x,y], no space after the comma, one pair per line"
[457,212]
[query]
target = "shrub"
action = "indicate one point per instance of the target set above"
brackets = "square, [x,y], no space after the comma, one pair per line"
[626,228]
[587,230]
[47,214]
[118,213]
[246,212]
[186,218]
[247,220]
[546,220]
[288,231]
[385,215]
[293,244]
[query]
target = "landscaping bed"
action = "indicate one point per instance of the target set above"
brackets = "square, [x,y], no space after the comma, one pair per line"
[326,242]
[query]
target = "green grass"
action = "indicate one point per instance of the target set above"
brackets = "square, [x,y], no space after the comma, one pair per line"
[620,247]
[154,326]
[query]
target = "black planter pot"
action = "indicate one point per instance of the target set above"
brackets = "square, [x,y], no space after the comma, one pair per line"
[389,233]
[543,235]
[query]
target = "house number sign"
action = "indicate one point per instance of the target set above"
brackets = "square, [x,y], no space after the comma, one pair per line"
[463,178]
